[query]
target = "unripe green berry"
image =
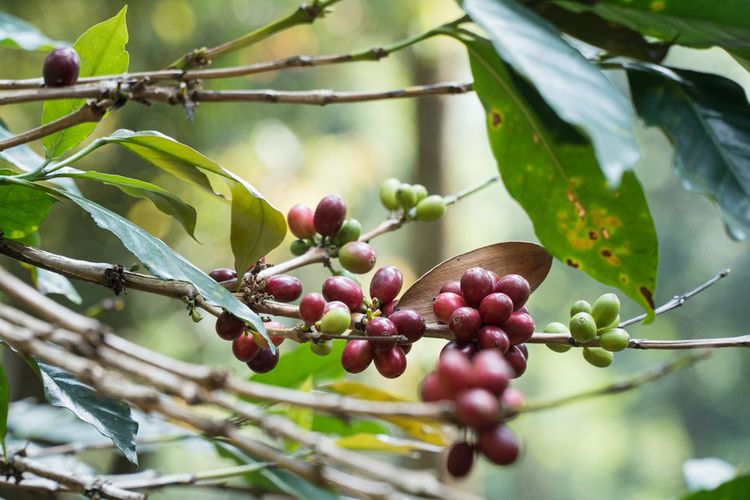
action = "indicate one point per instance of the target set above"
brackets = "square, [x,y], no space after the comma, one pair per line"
[611,326]
[430,209]
[614,340]
[299,247]
[580,306]
[336,321]
[598,356]
[322,348]
[406,196]
[350,231]
[420,191]
[605,309]
[583,327]
[357,257]
[557,327]
[388,193]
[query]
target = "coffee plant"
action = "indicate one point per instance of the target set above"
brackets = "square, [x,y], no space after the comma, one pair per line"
[564,138]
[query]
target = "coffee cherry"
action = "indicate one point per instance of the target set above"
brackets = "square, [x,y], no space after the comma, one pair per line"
[284,288]
[477,408]
[336,304]
[432,390]
[454,371]
[300,219]
[476,284]
[388,309]
[386,283]
[495,308]
[347,274]
[490,371]
[605,309]
[343,289]
[610,326]
[379,327]
[453,286]
[614,340]
[516,287]
[406,196]
[357,356]
[229,327]
[493,337]
[430,209]
[519,327]
[512,401]
[388,193]
[557,327]
[516,359]
[420,191]
[459,459]
[406,348]
[390,363]
[524,350]
[311,308]
[598,356]
[276,339]
[580,306]
[322,348]
[299,247]
[468,349]
[350,230]
[244,348]
[222,274]
[495,278]
[336,321]
[583,327]
[465,323]
[264,361]
[445,304]
[357,257]
[409,323]
[499,445]
[329,215]
[61,67]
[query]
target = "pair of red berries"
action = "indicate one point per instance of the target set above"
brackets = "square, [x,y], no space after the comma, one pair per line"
[249,347]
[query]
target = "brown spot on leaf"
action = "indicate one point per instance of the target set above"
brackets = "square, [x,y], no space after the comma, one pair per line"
[605,233]
[572,263]
[535,138]
[580,211]
[648,296]
[593,235]
[624,279]
[606,253]
[496,119]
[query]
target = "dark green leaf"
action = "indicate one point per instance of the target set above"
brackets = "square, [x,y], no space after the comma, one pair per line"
[22,210]
[102,52]
[19,34]
[551,171]
[4,402]
[574,88]
[295,366]
[161,198]
[707,117]
[736,489]
[108,416]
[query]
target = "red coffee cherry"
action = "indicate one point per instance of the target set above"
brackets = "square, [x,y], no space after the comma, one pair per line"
[453,286]
[445,304]
[284,288]
[311,307]
[432,390]
[389,308]
[385,284]
[491,372]
[276,339]
[476,284]
[465,323]
[459,460]
[454,371]
[244,348]
[493,337]
[329,215]
[339,288]
[61,67]
[499,445]
[357,356]
[519,327]
[516,359]
[467,349]
[229,327]
[300,219]
[222,274]
[495,278]
[477,408]
[516,287]
[379,327]
[495,308]
[264,361]
[390,363]
[357,257]
[512,401]
[406,348]
[409,323]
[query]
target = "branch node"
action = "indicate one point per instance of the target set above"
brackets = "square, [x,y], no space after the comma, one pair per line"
[115,279]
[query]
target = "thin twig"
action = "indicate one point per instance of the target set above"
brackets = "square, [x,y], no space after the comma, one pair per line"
[188,477]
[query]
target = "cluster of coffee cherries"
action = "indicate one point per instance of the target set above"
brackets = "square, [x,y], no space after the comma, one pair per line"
[598,322]
[412,199]
[327,225]
[487,316]
[61,67]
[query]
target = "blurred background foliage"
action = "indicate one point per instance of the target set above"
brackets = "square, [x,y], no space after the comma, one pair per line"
[630,446]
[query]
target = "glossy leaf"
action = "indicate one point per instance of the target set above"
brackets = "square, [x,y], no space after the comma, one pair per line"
[551,171]
[385,444]
[707,118]
[574,88]
[22,210]
[736,489]
[110,417]
[18,34]
[4,402]
[102,52]
[297,364]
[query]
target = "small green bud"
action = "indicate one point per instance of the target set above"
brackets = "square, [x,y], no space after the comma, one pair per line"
[583,327]
[420,191]
[430,209]
[606,308]
[598,356]
[336,321]
[350,231]
[299,247]
[406,196]
[322,348]
[388,193]
[557,327]
[580,306]
[614,340]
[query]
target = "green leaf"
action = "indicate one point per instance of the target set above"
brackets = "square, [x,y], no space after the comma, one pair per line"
[18,34]
[574,88]
[22,209]
[300,415]
[50,283]
[329,424]
[736,489]
[385,444]
[4,402]
[551,171]
[296,365]
[161,198]
[102,52]
[707,117]
[110,417]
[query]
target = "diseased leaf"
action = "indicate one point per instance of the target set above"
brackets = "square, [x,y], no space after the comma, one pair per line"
[514,257]
[551,171]
[102,52]
[574,88]
[297,365]
[22,209]
[707,118]
[18,34]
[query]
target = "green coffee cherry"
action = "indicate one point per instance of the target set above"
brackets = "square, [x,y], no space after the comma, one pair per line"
[406,196]
[420,191]
[614,340]
[299,247]
[611,326]
[430,209]
[605,309]
[598,356]
[388,193]
[350,231]
[322,348]
[336,321]
[583,327]
[557,327]
[580,306]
